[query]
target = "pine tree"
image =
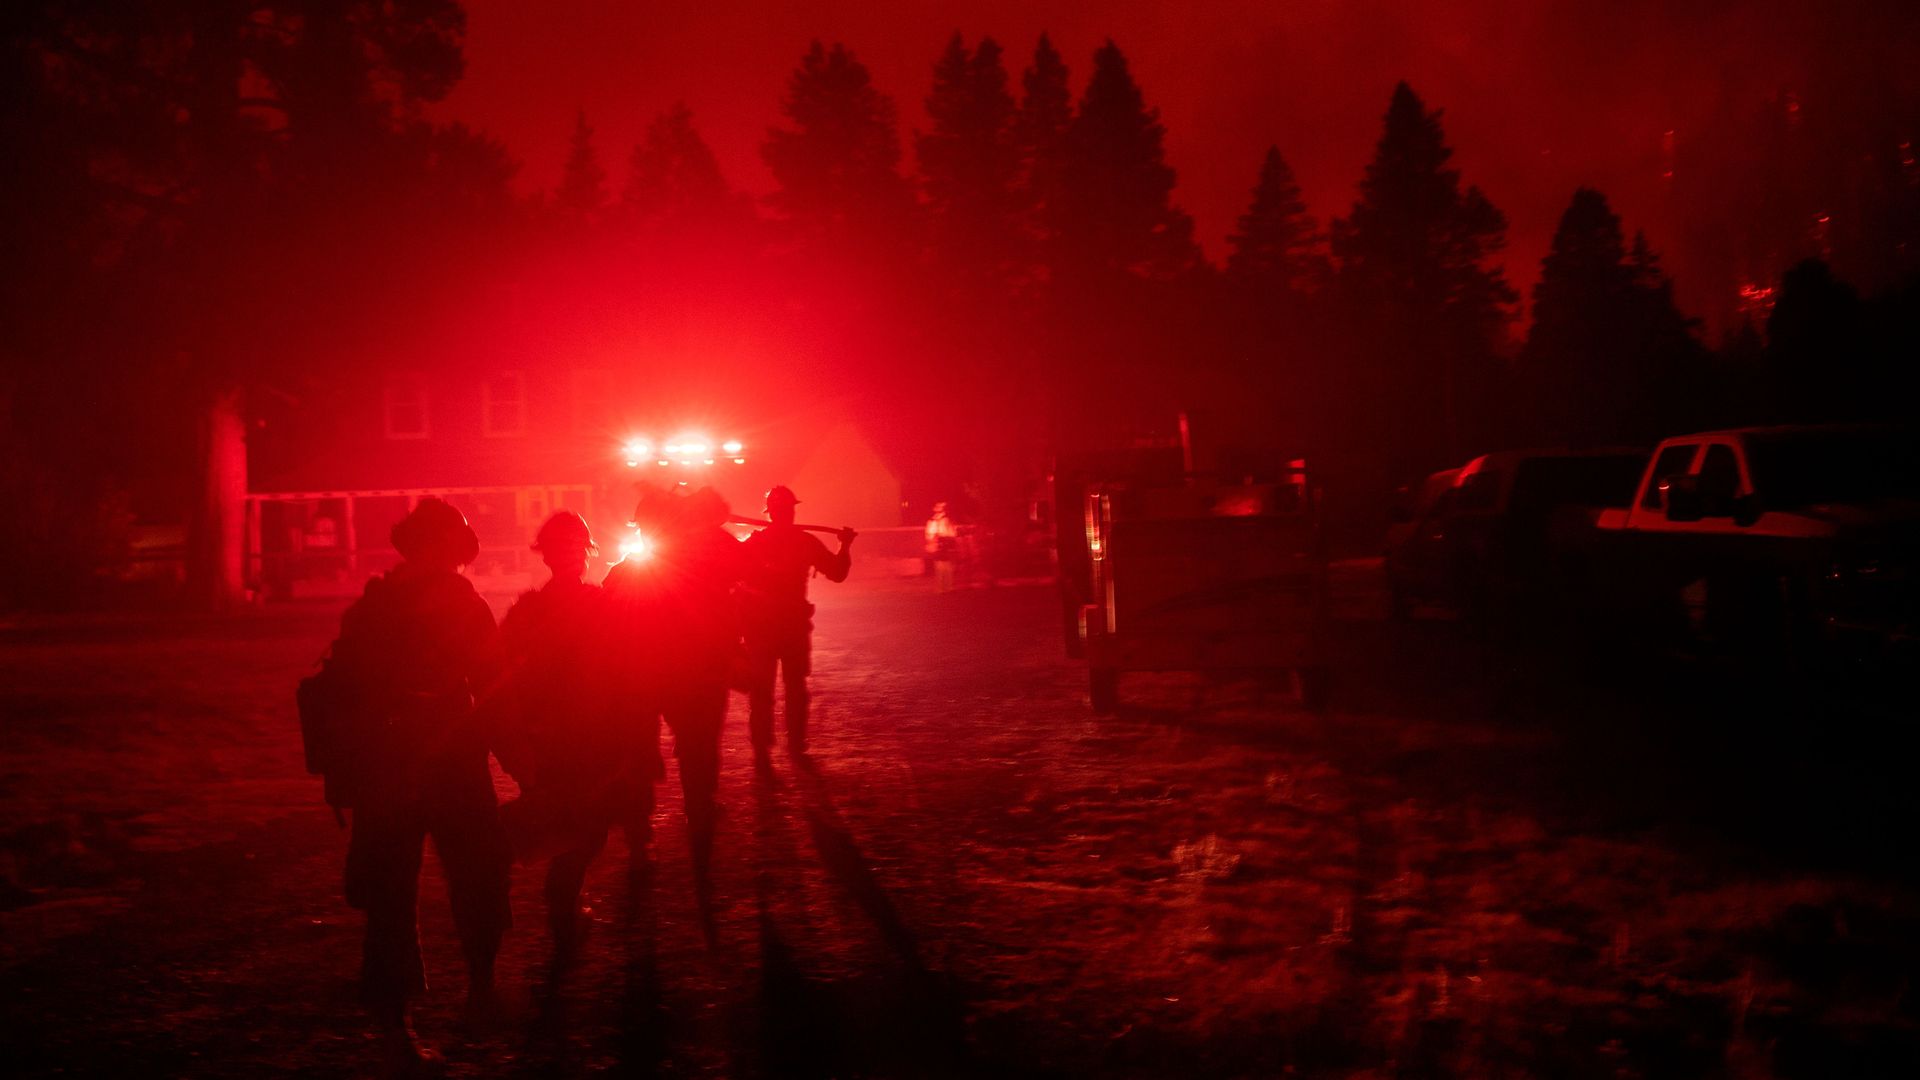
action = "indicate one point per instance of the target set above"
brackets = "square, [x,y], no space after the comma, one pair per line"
[674,181]
[969,163]
[1817,356]
[1277,247]
[1115,213]
[837,164]
[1608,358]
[583,183]
[1412,268]
[1040,134]
[1582,304]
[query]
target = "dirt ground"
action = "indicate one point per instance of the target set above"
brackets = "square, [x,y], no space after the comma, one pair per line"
[1475,865]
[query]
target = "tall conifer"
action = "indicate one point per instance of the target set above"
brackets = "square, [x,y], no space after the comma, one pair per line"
[1040,133]
[1116,213]
[1428,307]
[673,179]
[1608,355]
[583,183]
[837,161]
[969,162]
[1277,246]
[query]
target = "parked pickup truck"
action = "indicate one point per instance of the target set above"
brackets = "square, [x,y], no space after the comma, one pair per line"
[1799,541]
[1490,539]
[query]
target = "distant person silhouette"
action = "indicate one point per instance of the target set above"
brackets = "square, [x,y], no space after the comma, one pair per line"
[777,620]
[943,545]
[412,648]
[673,609]
[552,709]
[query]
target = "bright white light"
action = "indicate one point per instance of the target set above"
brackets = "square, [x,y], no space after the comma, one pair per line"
[731,446]
[637,448]
[636,547]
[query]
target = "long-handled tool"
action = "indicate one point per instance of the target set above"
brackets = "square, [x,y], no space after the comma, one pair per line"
[761,524]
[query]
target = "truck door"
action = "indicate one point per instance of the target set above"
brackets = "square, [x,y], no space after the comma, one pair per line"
[1676,460]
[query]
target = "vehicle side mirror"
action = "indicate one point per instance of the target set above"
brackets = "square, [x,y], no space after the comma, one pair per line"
[1681,496]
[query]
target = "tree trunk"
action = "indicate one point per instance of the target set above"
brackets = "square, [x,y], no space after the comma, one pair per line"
[216,547]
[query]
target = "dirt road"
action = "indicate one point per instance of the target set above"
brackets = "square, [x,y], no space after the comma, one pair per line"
[1467,868]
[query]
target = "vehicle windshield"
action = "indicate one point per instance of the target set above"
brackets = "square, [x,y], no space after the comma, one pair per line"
[1811,468]
[1595,481]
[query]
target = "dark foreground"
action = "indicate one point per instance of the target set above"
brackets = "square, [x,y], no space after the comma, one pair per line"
[1477,865]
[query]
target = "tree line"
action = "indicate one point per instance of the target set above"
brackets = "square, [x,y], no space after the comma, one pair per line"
[214,197]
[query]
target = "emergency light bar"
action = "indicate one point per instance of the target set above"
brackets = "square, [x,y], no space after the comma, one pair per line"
[686,451]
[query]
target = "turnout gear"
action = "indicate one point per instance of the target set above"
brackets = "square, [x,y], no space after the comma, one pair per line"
[674,626]
[579,771]
[410,648]
[777,620]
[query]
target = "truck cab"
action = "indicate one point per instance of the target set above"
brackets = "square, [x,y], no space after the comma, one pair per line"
[1802,532]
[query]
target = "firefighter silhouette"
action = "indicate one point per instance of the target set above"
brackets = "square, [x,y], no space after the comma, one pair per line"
[551,708]
[943,545]
[777,620]
[411,648]
[672,607]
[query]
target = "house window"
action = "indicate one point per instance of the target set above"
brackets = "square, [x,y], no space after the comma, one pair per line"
[404,407]
[503,405]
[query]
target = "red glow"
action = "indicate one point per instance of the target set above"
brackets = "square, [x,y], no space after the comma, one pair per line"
[1756,301]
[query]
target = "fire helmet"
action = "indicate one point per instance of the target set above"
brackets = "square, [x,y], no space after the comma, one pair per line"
[781,495]
[435,531]
[565,531]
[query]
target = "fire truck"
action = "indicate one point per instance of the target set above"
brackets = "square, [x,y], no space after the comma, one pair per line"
[1201,574]
[686,460]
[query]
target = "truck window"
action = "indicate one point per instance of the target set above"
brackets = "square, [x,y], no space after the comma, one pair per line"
[1719,480]
[1673,461]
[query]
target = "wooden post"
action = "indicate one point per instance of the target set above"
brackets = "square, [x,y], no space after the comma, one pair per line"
[353,541]
[217,540]
[256,559]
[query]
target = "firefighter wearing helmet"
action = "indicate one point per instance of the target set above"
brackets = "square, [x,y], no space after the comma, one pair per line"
[675,633]
[413,764]
[777,619]
[551,706]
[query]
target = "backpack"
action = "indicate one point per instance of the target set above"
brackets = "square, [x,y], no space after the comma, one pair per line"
[332,715]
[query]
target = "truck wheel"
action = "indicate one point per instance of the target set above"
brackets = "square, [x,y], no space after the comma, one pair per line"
[1103,685]
[1316,687]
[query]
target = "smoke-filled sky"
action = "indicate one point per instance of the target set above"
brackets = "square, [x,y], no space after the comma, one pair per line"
[1539,97]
